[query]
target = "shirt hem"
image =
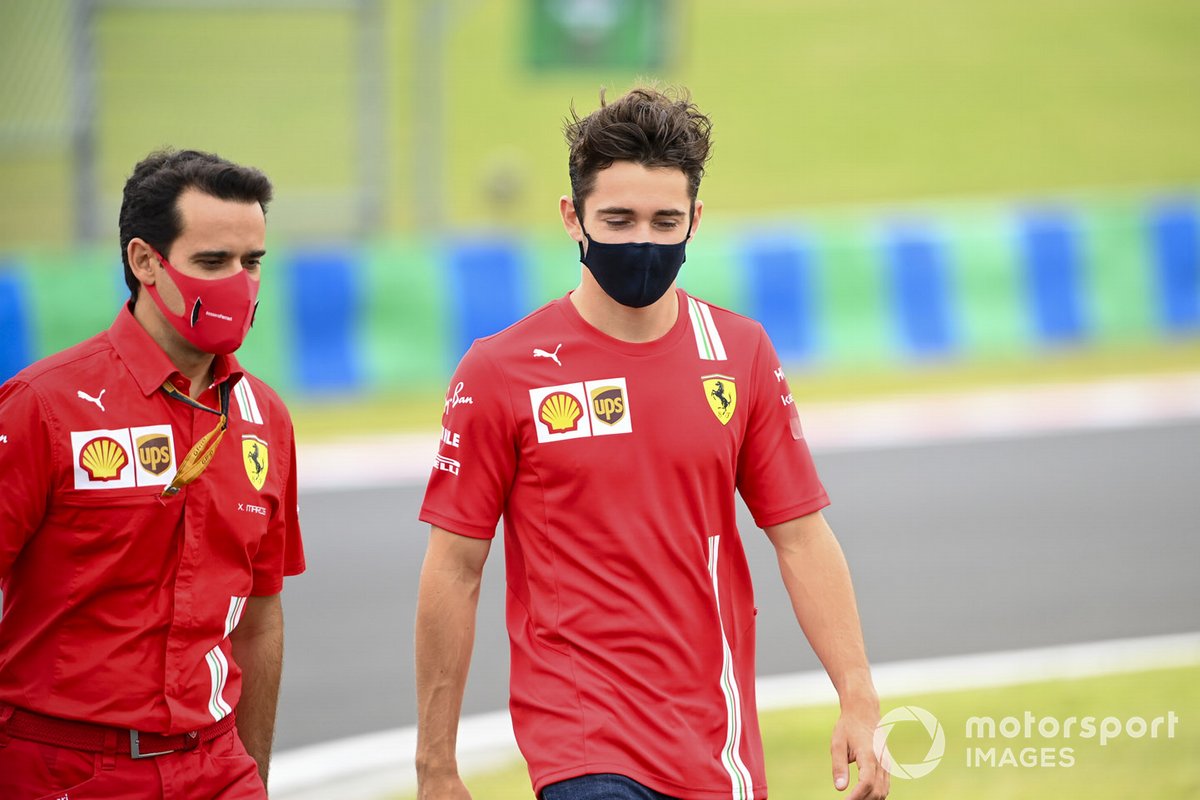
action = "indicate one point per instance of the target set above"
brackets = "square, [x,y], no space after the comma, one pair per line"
[759,791]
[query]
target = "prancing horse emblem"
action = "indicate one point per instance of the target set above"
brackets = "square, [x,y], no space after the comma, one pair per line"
[255,458]
[721,394]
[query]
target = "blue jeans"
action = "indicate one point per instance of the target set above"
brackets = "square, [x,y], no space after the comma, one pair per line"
[600,787]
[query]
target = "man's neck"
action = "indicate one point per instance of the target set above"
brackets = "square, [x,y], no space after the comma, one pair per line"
[622,322]
[192,364]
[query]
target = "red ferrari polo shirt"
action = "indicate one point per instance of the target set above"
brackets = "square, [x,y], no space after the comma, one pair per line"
[118,602]
[614,466]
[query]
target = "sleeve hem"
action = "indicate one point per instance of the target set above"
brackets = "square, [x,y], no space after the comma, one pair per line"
[793,512]
[458,527]
[267,588]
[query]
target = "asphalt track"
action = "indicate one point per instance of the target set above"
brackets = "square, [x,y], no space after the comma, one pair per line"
[955,548]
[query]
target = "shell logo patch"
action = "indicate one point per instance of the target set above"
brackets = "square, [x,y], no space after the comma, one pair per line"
[582,409]
[103,459]
[255,458]
[124,457]
[560,412]
[721,393]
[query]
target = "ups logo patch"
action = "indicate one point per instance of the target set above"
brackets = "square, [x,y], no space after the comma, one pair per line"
[154,453]
[608,404]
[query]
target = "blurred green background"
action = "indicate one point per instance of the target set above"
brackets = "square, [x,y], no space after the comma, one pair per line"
[394,128]
[815,102]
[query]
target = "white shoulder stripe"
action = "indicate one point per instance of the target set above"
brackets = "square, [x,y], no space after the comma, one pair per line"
[247,402]
[714,334]
[698,329]
[708,340]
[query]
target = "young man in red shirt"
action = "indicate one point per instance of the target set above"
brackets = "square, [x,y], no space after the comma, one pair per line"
[149,517]
[611,429]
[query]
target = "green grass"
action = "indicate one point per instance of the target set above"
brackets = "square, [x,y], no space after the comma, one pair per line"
[814,103]
[420,409]
[796,742]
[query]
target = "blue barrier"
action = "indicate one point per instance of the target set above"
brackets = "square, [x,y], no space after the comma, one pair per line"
[324,304]
[487,290]
[780,272]
[1175,237]
[920,289]
[15,350]
[1101,270]
[1053,273]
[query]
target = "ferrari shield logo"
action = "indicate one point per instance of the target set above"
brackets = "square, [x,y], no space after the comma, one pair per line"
[722,396]
[254,455]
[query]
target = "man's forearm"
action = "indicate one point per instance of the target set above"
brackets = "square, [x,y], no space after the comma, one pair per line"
[818,582]
[445,634]
[258,650]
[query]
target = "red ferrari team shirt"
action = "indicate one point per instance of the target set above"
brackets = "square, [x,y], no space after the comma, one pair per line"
[614,466]
[119,603]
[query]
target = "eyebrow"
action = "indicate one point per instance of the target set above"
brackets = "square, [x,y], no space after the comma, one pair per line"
[224,254]
[662,212]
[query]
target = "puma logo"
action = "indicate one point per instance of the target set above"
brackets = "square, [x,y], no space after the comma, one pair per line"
[82,395]
[540,353]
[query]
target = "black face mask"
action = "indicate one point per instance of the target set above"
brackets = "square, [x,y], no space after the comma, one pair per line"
[635,274]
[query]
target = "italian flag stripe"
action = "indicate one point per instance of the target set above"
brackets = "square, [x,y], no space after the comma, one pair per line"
[708,340]
[218,665]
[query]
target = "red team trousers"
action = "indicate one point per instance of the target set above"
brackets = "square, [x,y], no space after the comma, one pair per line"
[219,769]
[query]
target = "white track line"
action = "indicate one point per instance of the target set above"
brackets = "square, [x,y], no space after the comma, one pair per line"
[378,764]
[405,459]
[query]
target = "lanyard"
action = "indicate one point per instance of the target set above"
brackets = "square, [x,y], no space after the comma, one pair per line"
[202,452]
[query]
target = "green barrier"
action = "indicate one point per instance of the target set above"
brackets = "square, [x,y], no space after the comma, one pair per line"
[852,293]
[75,294]
[988,278]
[405,341]
[1120,295]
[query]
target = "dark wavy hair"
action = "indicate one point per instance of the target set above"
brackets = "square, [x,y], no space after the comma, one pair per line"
[149,210]
[646,126]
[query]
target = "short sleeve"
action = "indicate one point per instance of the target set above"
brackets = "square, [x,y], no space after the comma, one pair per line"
[282,550]
[26,471]
[473,471]
[776,475]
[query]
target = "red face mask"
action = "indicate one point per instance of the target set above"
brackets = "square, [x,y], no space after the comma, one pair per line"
[217,313]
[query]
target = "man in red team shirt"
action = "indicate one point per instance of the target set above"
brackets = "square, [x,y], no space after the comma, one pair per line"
[148,518]
[611,429]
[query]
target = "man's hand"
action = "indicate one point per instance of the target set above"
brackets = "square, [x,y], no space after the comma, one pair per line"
[445,788]
[853,740]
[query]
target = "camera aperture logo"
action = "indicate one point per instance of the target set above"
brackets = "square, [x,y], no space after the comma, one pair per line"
[1026,741]
[937,743]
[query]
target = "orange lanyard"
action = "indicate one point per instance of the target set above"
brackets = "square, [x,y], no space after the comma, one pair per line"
[202,452]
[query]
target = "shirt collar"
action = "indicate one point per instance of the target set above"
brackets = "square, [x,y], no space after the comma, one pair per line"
[147,362]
